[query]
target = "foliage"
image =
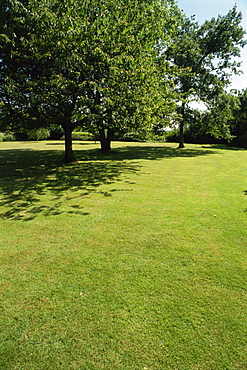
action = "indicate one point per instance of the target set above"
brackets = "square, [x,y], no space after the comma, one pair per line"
[110,68]
[212,125]
[86,136]
[239,121]
[7,136]
[87,63]
[39,134]
[194,135]
[221,114]
[204,58]
[131,136]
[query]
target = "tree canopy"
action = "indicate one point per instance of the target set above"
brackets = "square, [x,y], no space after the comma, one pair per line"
[91,63]
[109,66]
[204,56]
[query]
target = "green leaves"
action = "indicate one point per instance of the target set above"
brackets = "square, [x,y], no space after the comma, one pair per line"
[86,61]
[207,50]
[109,64]
[202,59]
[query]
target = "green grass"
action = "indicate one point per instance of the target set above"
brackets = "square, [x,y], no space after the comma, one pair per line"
[134,260]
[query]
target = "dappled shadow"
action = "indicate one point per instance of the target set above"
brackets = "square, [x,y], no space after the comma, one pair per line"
[147,152]
[224,147]
[35,182]
[52,143]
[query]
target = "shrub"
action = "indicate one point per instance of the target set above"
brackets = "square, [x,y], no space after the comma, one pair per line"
[85,136]
[194,138]
[7,136]
[39,134]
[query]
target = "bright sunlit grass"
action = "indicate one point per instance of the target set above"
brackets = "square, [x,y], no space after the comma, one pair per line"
[132,260]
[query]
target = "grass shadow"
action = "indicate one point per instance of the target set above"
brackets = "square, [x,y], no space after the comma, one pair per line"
[35,182]
[224,147]
[29,176]
[61,143]
[138,152]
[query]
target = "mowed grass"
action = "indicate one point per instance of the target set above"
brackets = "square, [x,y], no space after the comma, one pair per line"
[133,260]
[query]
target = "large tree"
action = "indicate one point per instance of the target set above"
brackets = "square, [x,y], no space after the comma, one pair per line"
[204,56]
[91,63]
[42,66]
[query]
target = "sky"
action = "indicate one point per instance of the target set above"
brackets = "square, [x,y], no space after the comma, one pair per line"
[207,9]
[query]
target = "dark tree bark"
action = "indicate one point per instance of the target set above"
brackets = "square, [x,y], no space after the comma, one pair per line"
[105,133]
[105,139]
[68,128]
[69,156]
[181,128]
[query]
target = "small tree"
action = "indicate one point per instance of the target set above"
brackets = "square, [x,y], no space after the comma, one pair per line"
[41,133]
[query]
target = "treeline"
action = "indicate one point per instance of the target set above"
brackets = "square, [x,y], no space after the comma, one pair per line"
[116,69]
[225,122]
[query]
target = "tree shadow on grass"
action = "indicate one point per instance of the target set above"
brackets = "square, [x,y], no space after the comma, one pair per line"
[224,147]
[35,182]
[147,152]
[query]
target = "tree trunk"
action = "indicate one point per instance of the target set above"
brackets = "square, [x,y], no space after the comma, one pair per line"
[181,128]
[105,140]
[69,156]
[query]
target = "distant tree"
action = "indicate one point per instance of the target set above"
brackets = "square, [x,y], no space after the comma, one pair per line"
[204,57]
[38,134]
[82,63]
[215,123]
[239,122]
[220,115]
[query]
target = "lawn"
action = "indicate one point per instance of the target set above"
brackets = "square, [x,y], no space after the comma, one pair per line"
[133,260]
